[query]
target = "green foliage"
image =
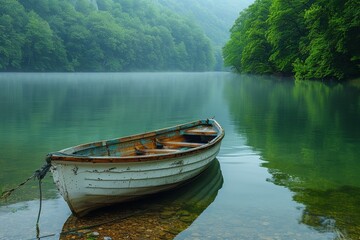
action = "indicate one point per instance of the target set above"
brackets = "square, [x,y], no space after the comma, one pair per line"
[314,39]
[42,50]
[333,51]
[248,36]
[215,18]
[285,32]
[12,20]
[103,35]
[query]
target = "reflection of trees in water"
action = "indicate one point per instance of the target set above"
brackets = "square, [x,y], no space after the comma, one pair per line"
[61,98]
[332,209]
[325,210]
[308,134]
[160,216]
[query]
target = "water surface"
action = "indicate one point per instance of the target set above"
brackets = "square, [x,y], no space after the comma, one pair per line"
[289,161]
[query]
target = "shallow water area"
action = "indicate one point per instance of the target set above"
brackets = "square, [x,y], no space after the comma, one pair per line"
[18,220]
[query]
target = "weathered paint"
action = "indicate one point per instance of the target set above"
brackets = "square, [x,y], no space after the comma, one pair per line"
[90,182]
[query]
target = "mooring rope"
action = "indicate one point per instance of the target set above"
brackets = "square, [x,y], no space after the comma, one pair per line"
[7,193]
[39,174]
[38,216]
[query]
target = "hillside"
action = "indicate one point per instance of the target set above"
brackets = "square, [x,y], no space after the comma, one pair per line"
[213,16]
[102,35]
[310,39]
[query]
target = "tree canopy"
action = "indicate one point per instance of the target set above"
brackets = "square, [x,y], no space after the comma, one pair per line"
[102,35]
[312,39]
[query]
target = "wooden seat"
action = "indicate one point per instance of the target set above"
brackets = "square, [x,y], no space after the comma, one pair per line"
[153,151]
[179,144]
[201,132]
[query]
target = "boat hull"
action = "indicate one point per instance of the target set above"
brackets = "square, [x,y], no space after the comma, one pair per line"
[86,187]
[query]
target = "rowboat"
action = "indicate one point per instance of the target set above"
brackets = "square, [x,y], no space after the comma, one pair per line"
[98,174]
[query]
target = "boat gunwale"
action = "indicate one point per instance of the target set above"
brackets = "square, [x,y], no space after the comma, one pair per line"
[62,156]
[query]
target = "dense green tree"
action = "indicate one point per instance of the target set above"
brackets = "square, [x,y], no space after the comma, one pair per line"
[110,38]
[248,37]
[286,32]
[38,44]
[333,50]
[233,49]
[104,5]
[103,35]
[84,6]
[314,39]
[12,20]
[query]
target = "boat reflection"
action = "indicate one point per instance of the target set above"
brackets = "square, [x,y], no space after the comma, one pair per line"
[163,215]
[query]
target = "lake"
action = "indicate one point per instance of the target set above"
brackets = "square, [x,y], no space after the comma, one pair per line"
[288,167]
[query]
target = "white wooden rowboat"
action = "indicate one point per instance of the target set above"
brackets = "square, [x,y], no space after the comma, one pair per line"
[93,175]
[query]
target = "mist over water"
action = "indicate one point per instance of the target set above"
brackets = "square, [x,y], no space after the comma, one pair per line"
[288,161]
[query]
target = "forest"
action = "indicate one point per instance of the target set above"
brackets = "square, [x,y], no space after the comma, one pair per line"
[115,35]
[310,39]
[102,35]
[213,16]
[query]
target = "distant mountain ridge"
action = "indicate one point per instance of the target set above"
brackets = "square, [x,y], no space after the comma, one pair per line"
[213,16]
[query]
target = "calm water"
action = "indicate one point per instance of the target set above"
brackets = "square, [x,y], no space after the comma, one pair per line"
[289,164]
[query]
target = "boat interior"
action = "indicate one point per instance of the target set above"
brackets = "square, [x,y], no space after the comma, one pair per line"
[188,139]
[158,142]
